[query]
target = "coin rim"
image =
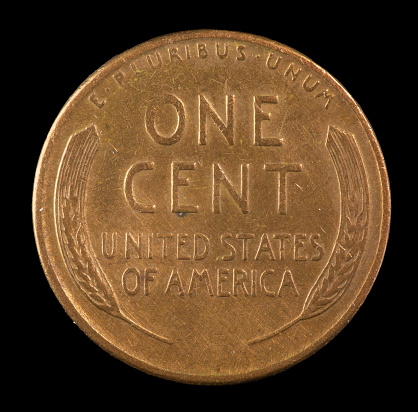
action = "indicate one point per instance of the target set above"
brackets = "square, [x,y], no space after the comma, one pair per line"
[41,233]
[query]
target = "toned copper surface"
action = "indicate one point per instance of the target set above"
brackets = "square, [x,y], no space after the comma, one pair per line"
[211,207]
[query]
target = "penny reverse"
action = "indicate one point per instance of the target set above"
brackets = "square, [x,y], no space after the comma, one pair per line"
[211,207]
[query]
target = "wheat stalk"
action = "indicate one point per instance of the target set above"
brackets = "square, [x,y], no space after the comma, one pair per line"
[74,239]
[83,269]
[349,247]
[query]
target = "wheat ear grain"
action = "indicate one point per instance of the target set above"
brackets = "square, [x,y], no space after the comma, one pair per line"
[74,239]
[348,250]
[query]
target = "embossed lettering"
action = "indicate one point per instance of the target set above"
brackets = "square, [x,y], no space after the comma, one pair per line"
[299,247]
[281,238]
[150,245]
[159,60]
[290,70]
[240,50]
[226,128]
[221,279]
[96,101]
[175,281]
[130,242]
[229,282]
[197,279]
[253,287]
[202,52]
[288,281]
[188,56]
[130,281]
[245,237]
[259,116]
[282,170]
[164,237]
[313,240]
[199,253]
[176,182]
[238,278]
[265,246]
[181,241]
[134,68]
[151,114]
[307,87]
[219,177]
[105,250]
[224,53]
[228,245]
[118,76]
[174,54]
[128,187]
[327,95]
[148,277]
[274,65]
[263,282]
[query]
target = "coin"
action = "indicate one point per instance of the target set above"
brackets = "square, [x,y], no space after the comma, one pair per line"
[211,207]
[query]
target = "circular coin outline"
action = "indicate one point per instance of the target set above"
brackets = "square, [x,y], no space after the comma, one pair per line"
[41,232]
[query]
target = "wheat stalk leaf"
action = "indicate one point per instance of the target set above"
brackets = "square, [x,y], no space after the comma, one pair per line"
[74,237]
[350,170]
[348,250]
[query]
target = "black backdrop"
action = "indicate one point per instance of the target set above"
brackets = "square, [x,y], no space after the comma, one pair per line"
[363,362]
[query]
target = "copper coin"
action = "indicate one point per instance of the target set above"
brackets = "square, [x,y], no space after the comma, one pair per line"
[211,207]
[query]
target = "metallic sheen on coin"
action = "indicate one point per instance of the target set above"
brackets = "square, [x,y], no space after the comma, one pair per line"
[211,207]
